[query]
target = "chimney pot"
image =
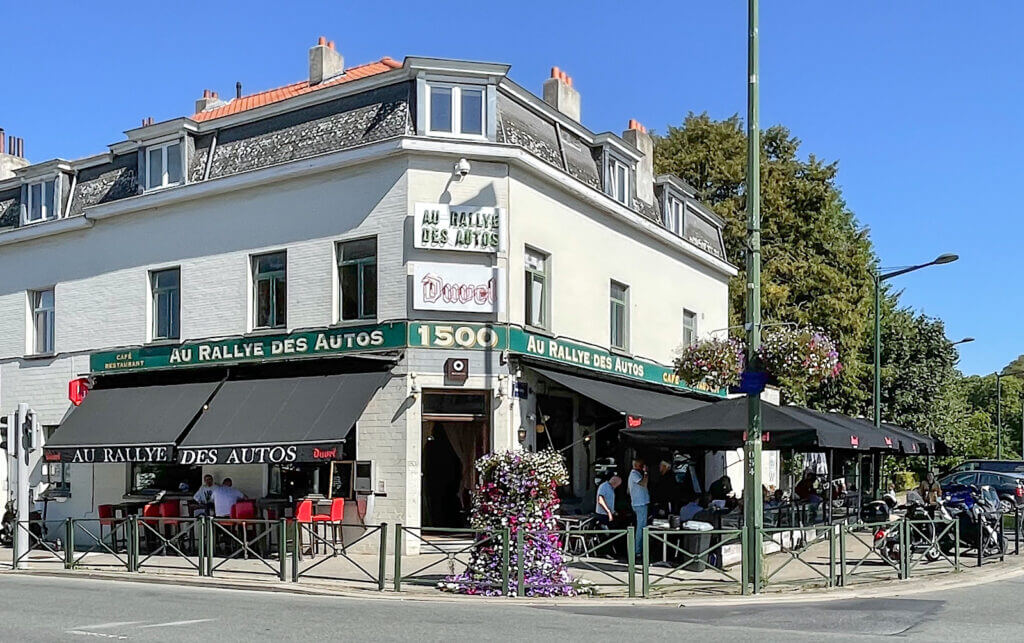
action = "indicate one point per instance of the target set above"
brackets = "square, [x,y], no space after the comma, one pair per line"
[321,41]
[238,89]
[555,72]
[637,136]
[206,93]
[330,45]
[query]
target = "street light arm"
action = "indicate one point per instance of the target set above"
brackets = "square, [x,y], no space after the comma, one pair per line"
[902,271]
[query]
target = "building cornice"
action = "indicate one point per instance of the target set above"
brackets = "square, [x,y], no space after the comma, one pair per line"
[44,229]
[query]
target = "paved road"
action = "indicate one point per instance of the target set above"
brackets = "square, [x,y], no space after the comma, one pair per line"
[48,609]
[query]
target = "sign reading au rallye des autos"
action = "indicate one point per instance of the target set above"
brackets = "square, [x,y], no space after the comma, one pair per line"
[467,228]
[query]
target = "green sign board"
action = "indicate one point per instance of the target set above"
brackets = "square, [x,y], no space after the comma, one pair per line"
[334,341]
[389,336]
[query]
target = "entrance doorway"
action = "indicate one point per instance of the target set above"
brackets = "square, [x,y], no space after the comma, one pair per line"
[456,432]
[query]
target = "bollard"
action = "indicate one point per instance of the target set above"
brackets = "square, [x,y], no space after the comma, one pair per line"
[398,557]
[506,537]
[645,561]
[69,543]
[520,568]
[382,556]
[282,549]
[631,559]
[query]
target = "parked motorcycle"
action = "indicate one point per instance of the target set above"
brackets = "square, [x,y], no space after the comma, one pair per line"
[977,512]
[7,525]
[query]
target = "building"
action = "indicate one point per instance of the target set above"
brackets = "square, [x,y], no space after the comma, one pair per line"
[354,284]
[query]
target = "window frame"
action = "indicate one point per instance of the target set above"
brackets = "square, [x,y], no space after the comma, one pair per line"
[35,308]
[275,277]
[614,302]
[675,215]
[361,263]
[612,165]
[692,329]
[456,109]
[154,292]
[44,214]
[545,278]
[164,146]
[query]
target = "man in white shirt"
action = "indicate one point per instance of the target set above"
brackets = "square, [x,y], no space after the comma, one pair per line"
[224,498]
[204,497]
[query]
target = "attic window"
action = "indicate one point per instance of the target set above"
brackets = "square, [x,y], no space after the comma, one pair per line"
[41,201]
[617,180]
[674,209]
[455,110]
[163,165]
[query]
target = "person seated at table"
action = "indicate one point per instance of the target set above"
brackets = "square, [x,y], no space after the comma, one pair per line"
[693,508]
[806,490]
[721,493]
[224,498]
[605,509]
[204,497]
[773,501]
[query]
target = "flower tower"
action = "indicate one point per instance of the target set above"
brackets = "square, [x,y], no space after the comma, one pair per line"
[517,490]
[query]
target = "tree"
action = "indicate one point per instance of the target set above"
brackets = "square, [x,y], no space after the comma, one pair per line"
[817,260]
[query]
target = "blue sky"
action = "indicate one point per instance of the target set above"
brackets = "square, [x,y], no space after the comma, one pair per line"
[918,101]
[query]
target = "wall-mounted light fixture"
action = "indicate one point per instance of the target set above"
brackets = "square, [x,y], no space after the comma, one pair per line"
[522,435]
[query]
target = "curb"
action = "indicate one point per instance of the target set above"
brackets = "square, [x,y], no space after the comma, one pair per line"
[884,589]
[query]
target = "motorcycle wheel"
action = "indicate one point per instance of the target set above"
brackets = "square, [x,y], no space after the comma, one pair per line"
[933,554]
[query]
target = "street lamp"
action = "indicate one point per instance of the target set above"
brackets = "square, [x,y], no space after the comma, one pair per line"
[879,277]
[999,411]
[965,340]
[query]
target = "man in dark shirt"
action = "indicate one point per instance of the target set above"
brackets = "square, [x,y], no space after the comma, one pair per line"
[666,494]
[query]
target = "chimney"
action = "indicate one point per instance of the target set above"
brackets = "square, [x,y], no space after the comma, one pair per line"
[324,62]
[560,94]
[210,100]
[238,89]
[12,155]
[637,136]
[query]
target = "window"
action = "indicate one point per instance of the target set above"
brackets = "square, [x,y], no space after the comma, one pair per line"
[455,109]
[619,316]
[269,290]
[163,165]
[357,277]
[42,321]
[166,286]
[41,201]
[536,293]
[617,181]
[689,328]
[164,477]
[674,215]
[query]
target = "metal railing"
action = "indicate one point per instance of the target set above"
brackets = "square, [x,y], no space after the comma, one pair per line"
[691,553]
[35,533]
[97,552]
[449,553]
[229,540]
[931,541]
[875,562]
[794,546]
[301,530]
[150,529]
[578,549]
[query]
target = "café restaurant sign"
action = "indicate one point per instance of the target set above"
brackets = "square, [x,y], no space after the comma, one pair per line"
[466,228]
[455,287]
[102,455]
[334,341]
[275,454]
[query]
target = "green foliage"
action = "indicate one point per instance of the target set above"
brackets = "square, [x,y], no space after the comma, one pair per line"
[904,480]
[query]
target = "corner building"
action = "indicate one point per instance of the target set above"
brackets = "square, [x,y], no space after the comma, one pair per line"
[354,286]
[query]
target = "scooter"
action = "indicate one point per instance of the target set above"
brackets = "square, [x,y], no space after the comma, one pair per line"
[7,526]
[978,517]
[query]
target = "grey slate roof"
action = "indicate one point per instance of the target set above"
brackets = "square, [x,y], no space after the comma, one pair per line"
[104,183]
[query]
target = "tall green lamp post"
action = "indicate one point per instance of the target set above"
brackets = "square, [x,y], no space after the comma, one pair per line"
[879,277]
[752,496]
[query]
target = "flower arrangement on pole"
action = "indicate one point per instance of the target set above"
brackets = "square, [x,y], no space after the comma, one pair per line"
[517,490]
[716,363]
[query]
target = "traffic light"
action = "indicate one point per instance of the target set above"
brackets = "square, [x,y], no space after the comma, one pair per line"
[27,433]
[4,427]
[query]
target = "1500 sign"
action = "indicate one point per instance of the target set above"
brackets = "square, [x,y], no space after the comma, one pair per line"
[468,336]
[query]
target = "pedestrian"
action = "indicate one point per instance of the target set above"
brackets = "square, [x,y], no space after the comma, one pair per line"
[639,497]
[605,509]
[929,489]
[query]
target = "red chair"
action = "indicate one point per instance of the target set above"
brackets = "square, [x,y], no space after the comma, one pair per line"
[303,516]
[108,519]
[334,519]
[171,520]
[151,518]
[244,510]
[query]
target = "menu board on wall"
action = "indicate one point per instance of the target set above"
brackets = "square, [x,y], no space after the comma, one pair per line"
[466,228]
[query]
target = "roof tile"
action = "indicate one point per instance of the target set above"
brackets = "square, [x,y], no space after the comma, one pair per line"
[279,94]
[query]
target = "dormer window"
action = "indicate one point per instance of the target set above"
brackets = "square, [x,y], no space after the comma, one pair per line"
[674,210]
[163,165]
[41,201]
[455,110]
[617,180]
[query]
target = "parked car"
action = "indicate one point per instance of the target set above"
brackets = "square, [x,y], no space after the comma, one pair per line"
[1000,466]
[1009,486]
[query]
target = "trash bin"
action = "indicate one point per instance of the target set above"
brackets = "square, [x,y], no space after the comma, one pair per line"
[696,541]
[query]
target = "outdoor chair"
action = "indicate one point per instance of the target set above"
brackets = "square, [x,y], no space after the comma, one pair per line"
[108,519]
[333,520]
[171,523]
[245,510]
[304,516]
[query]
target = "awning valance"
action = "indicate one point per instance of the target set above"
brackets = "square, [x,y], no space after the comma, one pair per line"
[131,424]
[630,400]
[291,419]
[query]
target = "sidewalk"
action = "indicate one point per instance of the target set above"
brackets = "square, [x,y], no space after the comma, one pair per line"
[792,567]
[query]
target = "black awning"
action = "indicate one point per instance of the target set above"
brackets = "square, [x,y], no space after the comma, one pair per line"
[132,424]
[723,425]
[293,419]
[626,399]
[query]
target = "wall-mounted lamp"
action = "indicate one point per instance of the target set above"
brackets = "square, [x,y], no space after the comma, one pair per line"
[521,434]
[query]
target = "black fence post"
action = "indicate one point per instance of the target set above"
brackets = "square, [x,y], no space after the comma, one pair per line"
[981,539]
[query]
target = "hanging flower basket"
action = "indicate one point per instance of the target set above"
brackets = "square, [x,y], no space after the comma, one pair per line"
[717,363]
[517,490]
[799,356]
